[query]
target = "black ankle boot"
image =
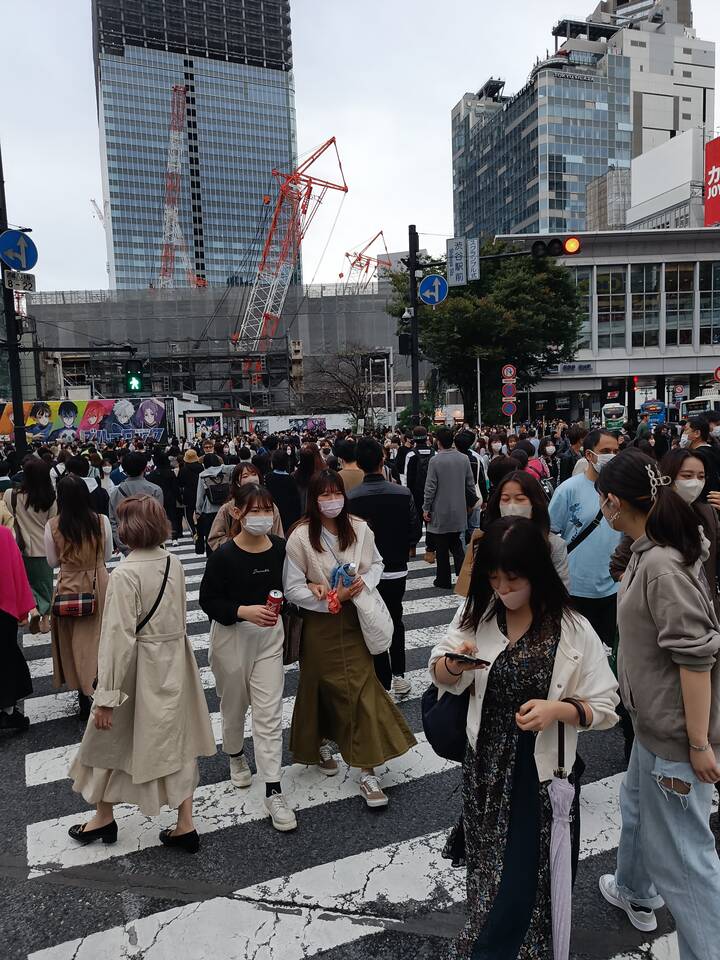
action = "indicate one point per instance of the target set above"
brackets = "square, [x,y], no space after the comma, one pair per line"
[189,842]
[14,720]
[84,704]
[108,833]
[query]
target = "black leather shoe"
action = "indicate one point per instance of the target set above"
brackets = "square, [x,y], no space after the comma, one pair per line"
[189,842]
[84,704]
[108,833]
[14,720]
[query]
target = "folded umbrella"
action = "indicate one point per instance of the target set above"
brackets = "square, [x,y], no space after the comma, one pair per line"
[562,794]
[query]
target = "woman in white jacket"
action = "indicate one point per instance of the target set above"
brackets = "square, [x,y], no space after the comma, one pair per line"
[543,664]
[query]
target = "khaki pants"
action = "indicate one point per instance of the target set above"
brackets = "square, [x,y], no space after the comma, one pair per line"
[247,662]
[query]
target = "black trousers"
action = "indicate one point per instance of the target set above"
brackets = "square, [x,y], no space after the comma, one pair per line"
[204,523]
[602,614]
[190,517]
[446,544]
[392,663]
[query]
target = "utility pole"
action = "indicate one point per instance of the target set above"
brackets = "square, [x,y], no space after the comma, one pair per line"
[413,248]
[11,335]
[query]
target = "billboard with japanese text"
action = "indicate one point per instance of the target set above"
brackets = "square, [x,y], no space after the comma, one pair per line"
[96,421]
[712,183]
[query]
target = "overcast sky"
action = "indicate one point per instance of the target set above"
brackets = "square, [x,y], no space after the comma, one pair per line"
[382,76]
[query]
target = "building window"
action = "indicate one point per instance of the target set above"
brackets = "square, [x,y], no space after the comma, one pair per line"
[611,285]
[645,292]
[687,73]
[710,303]
[679,303]
[583,285]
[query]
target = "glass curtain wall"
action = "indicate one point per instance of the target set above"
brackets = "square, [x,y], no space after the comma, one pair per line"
[645,292]
[709,303]
[679,303]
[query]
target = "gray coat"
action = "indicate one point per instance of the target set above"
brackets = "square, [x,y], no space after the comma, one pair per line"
[449,491]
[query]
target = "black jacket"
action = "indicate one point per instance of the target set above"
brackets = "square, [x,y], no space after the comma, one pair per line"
[188,482]
[416,469]
[391,514]
[286,496]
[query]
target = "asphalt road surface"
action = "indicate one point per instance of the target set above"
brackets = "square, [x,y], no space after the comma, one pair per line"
[349,883]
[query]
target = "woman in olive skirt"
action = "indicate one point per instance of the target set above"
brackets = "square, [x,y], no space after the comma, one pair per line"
[339,697]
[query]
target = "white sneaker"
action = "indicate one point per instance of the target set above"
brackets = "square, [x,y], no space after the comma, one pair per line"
[401,687]
[328,763]
[640,918]
[283,819]
[371,791]
[174,543]
[240,773]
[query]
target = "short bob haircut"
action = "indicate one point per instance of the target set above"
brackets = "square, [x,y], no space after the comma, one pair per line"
[142,523]
[518,546]
[532,490]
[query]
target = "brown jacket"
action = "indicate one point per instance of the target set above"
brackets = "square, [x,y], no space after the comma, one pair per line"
[222,525]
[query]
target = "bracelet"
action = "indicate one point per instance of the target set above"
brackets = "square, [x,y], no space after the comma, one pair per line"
[450,671]
[582,715]
[704,749]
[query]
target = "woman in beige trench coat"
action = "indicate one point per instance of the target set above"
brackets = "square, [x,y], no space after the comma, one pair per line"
[150,721]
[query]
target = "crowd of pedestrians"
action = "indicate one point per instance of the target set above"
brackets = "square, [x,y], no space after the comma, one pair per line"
[587,560]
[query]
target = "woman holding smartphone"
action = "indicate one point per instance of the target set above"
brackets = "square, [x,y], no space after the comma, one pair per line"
[339,697]
[246,644]
[541,664]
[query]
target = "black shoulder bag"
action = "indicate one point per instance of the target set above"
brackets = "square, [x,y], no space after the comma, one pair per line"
[444,721]
[148,617]
[593,525]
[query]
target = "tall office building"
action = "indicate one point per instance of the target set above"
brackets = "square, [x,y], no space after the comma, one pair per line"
[627,79]
[234,123]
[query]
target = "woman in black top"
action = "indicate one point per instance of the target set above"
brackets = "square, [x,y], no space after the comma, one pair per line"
[548,454]
[246,644]
[164,477]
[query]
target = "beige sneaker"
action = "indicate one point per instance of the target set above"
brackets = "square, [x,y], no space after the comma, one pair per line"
[401,687]
[328,763]
[240,773]
[371,791]
[283,819]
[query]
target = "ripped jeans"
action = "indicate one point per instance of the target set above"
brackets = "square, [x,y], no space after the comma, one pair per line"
[667,849]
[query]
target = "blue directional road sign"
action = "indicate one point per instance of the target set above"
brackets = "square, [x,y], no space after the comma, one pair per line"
[433,289]
[17,250]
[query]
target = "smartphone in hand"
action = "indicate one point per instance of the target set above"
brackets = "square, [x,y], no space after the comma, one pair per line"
[464,658]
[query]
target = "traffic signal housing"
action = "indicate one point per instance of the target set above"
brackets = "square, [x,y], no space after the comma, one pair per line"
[556,247]
[134,379]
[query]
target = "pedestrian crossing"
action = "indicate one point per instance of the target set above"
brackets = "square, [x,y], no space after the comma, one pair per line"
[347,877]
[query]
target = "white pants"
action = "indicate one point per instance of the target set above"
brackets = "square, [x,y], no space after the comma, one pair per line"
[248,665]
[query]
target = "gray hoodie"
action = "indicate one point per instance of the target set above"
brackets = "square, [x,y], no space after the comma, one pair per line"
[666,621]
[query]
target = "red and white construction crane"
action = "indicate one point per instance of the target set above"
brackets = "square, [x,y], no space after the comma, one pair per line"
[173,244]
[362,268]
[299,197]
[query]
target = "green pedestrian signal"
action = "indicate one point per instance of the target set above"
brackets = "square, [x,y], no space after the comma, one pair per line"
[134,382]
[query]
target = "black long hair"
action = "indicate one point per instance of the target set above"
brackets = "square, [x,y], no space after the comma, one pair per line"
[532,490]
[515,545]
[672,463]
[670,521]
[37,485]
[77,521]
[327,481]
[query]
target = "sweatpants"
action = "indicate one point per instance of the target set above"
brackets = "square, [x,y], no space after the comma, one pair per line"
[247,662]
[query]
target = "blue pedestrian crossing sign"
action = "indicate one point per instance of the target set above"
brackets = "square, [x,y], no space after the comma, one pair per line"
[433,289]
[17,250]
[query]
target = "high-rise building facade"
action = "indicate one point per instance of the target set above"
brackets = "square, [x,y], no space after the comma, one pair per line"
[630,77]
[236,124]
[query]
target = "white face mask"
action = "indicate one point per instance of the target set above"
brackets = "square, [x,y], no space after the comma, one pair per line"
[331,508]
[602,460]
[511,509]
[685,440]
[107,470]
[550,451]
[715,431]
[689,490]
[515,598]
[256,525]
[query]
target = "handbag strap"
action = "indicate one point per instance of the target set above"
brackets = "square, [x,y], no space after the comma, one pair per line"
[19,538]
[159,597]
[593,525]
[561,771]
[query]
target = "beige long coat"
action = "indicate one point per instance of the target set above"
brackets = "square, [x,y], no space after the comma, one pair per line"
[160,717]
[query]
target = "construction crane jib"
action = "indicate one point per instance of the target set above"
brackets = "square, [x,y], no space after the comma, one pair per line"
[299,197]
[363,268]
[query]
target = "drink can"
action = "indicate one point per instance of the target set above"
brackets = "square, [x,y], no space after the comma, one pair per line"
[275,601]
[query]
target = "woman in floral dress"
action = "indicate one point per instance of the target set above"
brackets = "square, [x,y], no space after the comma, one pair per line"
[544,664]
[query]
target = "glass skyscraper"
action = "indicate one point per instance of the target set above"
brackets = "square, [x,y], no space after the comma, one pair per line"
[234,59]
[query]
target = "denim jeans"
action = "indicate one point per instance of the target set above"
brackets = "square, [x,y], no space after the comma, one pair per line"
[667,850]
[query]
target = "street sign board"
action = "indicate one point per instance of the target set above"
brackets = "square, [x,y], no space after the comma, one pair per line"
[508,391]
[509,372]
[24,282]
[456,271]
[717,374]
[509,408]
[473,258]
[680,389]
[17,250]
[433,289]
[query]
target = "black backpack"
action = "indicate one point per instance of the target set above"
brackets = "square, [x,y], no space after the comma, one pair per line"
[217,490]
[422,462]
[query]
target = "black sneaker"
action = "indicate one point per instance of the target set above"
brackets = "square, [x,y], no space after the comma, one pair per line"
[14,720]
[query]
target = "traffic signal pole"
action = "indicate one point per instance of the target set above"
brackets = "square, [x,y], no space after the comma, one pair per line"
[413,248]
[12,337]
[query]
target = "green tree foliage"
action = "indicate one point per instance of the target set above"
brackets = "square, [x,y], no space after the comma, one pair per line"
[520,311]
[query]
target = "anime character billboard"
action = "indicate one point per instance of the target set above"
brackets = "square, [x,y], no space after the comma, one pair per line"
[97,421]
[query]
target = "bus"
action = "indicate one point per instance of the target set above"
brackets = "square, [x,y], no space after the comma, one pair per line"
[704,404]
[659,412]
[614,416]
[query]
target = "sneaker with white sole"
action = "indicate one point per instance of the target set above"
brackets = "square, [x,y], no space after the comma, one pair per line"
[642,918]
[240,773]
[401,687]
[174,543]
[328,763]
[283,819]
[371,791]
